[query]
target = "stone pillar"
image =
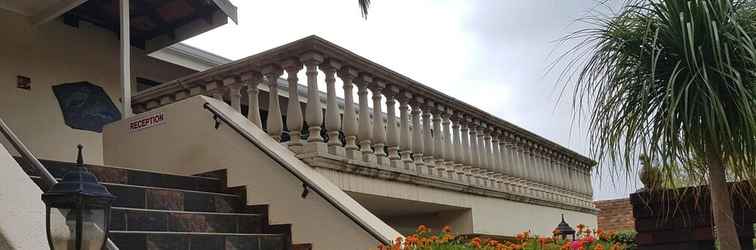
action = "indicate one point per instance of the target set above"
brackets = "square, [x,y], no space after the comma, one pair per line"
[487,159]
[405,138]
[483,157]
[379,129]
[474,159]
[349,126]
[428,145]
[274,120]
[365,131]
[293,109]
[438,141]
[495,151]
[314,110]
[333,119]
[392,133]
[253,80]
[417,133]
[234,92]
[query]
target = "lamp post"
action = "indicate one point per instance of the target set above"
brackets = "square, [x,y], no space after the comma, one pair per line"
[564,229]
[78,211]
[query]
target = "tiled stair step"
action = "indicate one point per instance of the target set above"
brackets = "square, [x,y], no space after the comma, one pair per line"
[130,219]
[132,196]
[133,177]
[138,240]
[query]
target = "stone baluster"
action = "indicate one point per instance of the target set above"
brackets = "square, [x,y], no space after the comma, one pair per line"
[574,185]
[405,138]
[417,133]
[253,98]
[314,114]
[438,141]
[379,129]
[556,170]
[488,151]
[535,156]
[234,92]
[333,119]
[349,126]
[465,148]
[456,146]
[274,120]
[474,159]
[365,131]
[483,157]
[589,182]
[392,133]
[495,151]
[448,146]
[215,89]
[428,137]
[563,174]
[293,110]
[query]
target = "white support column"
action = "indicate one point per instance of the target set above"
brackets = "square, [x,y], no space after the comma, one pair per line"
[495,152]
[405,138]
[314,110]
[253,80]
[333,120]
[418,147]
[456,147]
[349,126]
[365,131]
[125,59]
[274,121]
[293,109]
[379,129]
[392,133]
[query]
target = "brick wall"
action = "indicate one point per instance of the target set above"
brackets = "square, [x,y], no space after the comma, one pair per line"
[615,215]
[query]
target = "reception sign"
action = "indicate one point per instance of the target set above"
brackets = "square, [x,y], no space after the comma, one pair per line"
[146,122]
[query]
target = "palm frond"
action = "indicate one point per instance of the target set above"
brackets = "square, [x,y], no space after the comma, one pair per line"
[364,6]
[670,79]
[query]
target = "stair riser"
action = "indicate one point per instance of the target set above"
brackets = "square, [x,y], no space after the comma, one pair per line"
[135,241]
[177,200]
[135,177]
[130,220]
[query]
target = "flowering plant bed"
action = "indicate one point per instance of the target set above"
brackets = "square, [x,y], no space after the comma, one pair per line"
[585,239]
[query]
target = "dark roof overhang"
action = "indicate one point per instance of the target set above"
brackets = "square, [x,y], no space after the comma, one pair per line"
[156,24]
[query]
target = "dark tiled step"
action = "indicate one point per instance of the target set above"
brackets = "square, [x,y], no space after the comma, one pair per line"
[132,196]
[195,241]
[133,177]
[130,219]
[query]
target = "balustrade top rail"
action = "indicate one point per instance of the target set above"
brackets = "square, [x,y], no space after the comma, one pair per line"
[352,60]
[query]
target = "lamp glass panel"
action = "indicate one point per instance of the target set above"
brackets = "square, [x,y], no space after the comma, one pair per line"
[62,228]
[93,228]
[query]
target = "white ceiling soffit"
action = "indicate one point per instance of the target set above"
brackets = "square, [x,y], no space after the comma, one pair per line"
[40,11]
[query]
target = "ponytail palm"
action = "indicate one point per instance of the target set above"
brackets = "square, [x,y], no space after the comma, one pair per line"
[674,80]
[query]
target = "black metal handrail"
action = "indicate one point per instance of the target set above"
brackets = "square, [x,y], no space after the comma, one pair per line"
[47,178]
[219,116]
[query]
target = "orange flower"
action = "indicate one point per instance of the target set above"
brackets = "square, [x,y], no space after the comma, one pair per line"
[422,229]
[475,242]
[598,247]
[447,229]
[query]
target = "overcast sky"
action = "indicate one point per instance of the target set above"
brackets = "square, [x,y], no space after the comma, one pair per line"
[493,54]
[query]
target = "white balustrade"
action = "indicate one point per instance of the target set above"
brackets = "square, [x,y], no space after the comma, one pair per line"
[432,136]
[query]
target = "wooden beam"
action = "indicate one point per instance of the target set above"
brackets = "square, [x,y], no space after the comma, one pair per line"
[55,10]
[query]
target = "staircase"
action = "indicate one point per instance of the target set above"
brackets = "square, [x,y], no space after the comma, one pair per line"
[159,211]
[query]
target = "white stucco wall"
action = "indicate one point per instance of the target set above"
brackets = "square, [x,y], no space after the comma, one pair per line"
[188,144]
[56,53]
[490,215]
[22,212]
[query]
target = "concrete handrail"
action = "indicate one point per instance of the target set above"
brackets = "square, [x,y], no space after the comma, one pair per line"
[220,116]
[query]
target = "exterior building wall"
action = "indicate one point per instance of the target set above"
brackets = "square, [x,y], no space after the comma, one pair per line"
[615,215]
[187,143]
[55,53]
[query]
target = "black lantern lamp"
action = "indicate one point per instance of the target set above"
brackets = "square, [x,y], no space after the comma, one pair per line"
[564,229]
[78,211]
